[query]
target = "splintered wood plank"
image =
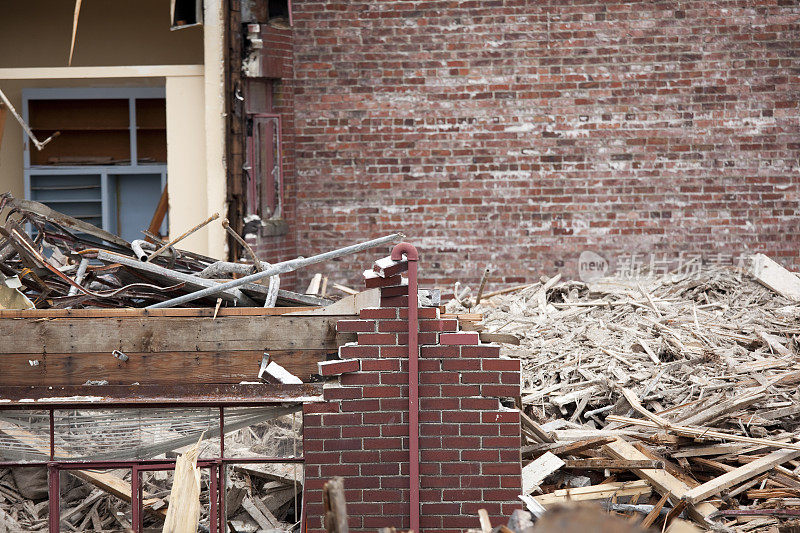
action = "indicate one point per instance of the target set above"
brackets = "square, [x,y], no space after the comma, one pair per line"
[152,368]
[611,464]
[596,492]
[171,334]
[535,429]
[535,472]
[738,475]
[661,480]
[776,277]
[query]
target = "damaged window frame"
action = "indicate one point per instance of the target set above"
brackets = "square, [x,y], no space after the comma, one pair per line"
[265,190]
[182,7]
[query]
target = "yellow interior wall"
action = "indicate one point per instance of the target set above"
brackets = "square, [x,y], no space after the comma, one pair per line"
[37,33]
[188,201]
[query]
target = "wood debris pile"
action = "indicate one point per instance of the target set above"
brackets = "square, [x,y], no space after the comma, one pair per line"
[671,396]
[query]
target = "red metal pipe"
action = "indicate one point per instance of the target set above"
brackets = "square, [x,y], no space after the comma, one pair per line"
[54,490]
[213,497]
[412,256]
[136,505]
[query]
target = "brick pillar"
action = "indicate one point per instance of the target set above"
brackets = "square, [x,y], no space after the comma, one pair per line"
[469,442]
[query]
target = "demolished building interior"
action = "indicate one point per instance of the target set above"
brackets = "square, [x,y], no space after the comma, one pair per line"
[296,266]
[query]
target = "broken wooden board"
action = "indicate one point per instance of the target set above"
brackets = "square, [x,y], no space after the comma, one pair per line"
[596,492]
[738,475]
[662,481]
[531,425]
[774,276]
[611,464]
[349,305]
[536,471]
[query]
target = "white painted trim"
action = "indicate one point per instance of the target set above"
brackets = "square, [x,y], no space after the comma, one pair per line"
[128,71]
[214,20]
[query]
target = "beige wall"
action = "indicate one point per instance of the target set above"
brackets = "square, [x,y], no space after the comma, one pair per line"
[188,201]
[36,33]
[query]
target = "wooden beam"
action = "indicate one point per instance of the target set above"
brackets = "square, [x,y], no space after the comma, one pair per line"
[738,475]
[661,480]
[159,214]
[149,368]
[534,428]
[701,433]
[172,334]
[612,464]
[596,492]
[141,312]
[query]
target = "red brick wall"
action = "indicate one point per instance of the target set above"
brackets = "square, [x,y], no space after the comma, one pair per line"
[469,444]
[521,133]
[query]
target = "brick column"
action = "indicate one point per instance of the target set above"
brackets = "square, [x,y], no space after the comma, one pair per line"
[469,442]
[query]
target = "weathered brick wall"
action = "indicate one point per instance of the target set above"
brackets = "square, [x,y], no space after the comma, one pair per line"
[469,444]
[521,133]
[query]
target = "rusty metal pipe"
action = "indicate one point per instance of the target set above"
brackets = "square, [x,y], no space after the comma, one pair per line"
[412,256]
[277,268]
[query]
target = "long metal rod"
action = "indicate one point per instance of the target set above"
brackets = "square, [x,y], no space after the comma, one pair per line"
[235,295]
[278,268]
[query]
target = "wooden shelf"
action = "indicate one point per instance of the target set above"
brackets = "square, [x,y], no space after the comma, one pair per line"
[83,114]
[151,113]
[83,147]
[152,145]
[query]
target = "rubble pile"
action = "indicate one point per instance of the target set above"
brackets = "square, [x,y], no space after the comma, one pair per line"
[660,396]
[49,260]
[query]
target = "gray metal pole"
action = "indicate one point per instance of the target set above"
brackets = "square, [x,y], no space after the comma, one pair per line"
[278,268]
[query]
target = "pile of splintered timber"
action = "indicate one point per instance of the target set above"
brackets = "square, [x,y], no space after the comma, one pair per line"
[663,397]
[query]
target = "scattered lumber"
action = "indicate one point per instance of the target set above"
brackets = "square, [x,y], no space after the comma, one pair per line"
[679,388]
